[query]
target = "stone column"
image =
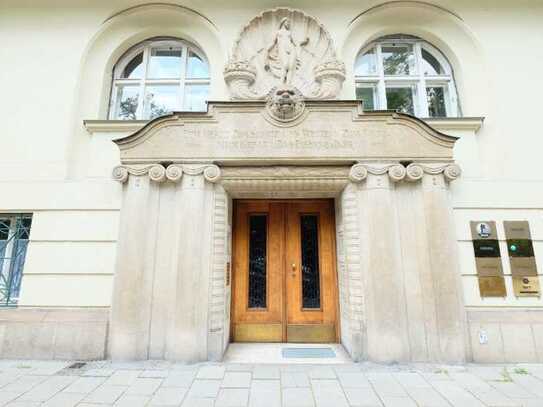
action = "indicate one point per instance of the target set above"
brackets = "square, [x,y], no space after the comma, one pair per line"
[133,281]
[187,331]
[162,283]
[444,263]
[412,296]
[385,319]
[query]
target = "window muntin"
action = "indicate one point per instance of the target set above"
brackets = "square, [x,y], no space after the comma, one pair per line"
[158,77]
[14,237]
[405,74]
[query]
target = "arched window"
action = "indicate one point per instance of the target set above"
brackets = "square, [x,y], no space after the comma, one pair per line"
[407,74]
[157,77]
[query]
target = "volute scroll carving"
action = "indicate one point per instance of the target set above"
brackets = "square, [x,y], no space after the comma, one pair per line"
[396,172]
[120,174]
[157,173]
[174,172]
[358,173]
[452,172]
[412,173]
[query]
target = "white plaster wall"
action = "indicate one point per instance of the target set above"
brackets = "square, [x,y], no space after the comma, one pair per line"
[56,60]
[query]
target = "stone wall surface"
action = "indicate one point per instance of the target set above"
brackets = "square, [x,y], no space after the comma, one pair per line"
[55,333]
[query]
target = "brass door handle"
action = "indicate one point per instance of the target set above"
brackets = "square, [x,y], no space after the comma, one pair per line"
[293,270]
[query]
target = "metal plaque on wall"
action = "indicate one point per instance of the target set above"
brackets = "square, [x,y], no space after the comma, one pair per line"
[521,258]
[483,230]
[492,286]
[523,266]
[526,286]
[488,261]
[489,266]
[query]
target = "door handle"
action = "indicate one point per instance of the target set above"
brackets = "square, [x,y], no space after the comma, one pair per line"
[293,270]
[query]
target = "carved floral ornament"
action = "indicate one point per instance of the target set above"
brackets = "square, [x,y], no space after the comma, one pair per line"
[174,172]
[397,172]
[284,48]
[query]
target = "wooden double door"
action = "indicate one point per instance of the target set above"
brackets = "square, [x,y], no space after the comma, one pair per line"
[283,275]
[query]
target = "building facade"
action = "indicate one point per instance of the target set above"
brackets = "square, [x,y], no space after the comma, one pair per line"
[178,176]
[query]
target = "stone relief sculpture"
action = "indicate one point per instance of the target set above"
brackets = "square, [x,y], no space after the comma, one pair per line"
[284,49]
[285,104]
[283,56]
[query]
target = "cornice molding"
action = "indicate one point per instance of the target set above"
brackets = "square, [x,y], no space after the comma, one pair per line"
[113,126]
[124,127]
[445,124]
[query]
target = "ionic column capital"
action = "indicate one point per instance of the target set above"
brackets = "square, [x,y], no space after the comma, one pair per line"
[174,172]
[397,172]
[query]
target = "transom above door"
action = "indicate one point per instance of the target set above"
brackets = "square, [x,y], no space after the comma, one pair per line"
[284,278]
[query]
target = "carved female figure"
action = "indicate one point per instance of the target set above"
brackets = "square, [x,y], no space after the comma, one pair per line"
[284,53]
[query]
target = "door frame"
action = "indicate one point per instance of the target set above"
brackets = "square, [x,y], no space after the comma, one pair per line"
[334,268]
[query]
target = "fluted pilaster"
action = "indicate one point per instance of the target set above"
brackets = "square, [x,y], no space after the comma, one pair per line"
[412,299]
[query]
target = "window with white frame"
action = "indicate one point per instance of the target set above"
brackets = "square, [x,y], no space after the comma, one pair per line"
[14,235]
[157,77]
[407,74]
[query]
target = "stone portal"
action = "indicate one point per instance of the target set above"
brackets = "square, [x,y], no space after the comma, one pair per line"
[397,266]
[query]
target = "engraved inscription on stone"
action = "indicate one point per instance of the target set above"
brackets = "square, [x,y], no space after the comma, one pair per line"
[241,133]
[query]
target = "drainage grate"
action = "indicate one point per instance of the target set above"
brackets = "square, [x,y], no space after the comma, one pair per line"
[308,352]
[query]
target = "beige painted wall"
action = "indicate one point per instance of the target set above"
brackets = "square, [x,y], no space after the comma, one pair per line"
[56,59]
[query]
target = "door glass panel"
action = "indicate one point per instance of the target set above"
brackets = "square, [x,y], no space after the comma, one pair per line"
[311,290]
[258,225]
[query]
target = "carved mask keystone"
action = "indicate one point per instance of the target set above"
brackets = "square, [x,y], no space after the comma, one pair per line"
[285,104]
[284,49]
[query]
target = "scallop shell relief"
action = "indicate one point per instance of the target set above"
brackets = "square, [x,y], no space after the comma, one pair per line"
[284,48]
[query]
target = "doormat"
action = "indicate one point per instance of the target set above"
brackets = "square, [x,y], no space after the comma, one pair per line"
[308,352]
